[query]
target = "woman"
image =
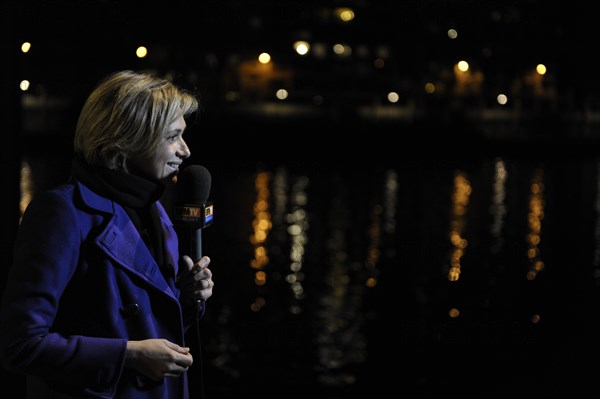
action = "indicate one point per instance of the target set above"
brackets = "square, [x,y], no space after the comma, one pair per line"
[98,299]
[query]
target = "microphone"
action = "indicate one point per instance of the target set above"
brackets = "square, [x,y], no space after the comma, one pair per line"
[192,211]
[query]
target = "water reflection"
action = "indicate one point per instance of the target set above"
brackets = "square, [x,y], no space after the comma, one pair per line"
[332,278]
[534,222]
[458,219]
[498,207]
[340,316]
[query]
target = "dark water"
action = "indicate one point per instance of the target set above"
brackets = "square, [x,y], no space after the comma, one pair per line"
[470,275]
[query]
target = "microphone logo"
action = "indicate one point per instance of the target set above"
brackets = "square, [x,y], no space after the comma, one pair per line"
[194,215]
[208,214]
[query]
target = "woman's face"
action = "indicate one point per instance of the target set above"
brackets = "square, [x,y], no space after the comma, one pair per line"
[172,150]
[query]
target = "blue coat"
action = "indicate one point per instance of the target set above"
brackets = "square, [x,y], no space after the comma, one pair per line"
[82,284]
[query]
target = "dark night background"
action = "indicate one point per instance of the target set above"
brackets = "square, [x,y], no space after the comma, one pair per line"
[338,131]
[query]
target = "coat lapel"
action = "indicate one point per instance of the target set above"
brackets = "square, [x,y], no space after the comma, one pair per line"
[122,242]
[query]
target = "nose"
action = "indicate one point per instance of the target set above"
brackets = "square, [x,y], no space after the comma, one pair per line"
[184,150]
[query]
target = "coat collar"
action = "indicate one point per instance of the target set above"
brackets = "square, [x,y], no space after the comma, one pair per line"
[122,242]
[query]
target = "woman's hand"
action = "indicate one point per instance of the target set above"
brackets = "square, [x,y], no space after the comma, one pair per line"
[195,282]
[157,358]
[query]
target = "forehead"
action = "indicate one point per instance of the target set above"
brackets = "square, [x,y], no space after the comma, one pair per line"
[178,123]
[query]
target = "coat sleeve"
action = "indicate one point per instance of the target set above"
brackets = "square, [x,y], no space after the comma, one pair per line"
[45,258]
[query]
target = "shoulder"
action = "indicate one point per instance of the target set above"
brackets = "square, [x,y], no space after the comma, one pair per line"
[68,203]
[50,211]
[56,200]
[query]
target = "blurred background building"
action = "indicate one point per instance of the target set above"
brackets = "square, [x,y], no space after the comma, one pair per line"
[326,64]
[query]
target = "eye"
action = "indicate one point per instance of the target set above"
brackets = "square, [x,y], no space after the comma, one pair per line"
[172,137]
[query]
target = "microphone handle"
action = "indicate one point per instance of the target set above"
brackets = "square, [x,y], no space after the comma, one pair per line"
[197,254]
[197,247]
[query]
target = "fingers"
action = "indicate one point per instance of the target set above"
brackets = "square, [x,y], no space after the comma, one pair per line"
[204,275]
[203,289]
[197,284]
[187,262]
[188,268]
[205,284]
[201,265]
[182,359]
[158,358]
[181,349]
[201,271]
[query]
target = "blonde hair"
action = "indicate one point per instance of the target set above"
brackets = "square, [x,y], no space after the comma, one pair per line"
[128,113]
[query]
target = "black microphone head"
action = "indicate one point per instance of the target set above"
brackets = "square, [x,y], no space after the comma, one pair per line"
[193,184]
[192,208]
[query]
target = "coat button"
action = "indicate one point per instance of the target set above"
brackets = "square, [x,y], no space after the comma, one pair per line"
[131,309]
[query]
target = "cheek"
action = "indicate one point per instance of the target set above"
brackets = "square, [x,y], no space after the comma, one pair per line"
[164,154]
